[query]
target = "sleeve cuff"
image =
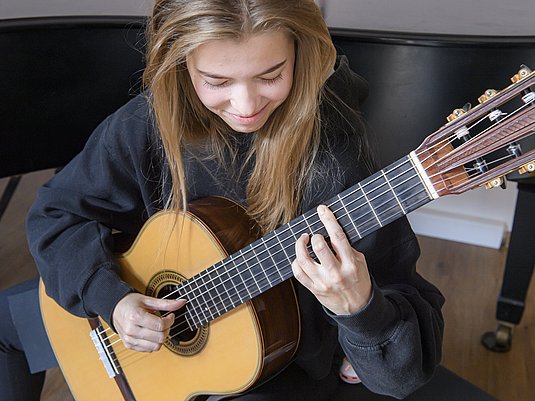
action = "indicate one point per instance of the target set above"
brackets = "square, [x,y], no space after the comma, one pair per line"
[103,291]
[373,324]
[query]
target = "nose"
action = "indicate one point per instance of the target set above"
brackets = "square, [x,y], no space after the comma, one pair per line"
[244,100]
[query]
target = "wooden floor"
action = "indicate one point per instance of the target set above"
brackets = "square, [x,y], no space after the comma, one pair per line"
[469,276]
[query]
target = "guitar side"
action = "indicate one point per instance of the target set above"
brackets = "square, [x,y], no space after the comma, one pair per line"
[231,354]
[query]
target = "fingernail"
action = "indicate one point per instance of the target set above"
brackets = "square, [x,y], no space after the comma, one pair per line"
[321,209]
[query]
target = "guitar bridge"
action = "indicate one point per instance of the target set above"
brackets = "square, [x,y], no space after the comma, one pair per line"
[105,351]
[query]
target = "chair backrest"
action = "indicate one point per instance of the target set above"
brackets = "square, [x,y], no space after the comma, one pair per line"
[59,78]
[417,80]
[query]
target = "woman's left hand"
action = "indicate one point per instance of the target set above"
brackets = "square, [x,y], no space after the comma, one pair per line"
[340,281]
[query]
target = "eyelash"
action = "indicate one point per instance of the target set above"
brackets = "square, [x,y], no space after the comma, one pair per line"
[269,82]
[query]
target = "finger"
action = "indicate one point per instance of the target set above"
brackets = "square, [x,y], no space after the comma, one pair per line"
[168,321]
[301,276]
[323,252]
[153,322]
[301,252]
[140,344]
[302,258]
[339,240]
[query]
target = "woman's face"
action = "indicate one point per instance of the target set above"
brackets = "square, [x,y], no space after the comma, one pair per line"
[243,81]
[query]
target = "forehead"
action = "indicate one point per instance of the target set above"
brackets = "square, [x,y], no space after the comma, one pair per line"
[250,55]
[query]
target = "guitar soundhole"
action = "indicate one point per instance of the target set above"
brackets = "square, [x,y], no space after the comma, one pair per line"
[180,332]
[181,340]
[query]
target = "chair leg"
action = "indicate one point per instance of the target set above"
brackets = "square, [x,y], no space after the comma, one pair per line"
[517,275]
[8,193]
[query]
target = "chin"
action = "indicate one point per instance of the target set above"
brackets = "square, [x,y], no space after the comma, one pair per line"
[245,129]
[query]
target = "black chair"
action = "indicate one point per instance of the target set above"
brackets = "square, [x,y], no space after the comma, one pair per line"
[60,78]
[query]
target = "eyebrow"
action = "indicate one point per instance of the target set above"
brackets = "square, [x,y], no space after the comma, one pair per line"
[270,69]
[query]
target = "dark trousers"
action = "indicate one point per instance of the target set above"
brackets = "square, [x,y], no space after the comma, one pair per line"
[25,352]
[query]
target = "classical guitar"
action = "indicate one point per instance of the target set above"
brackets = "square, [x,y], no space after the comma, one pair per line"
[236,283]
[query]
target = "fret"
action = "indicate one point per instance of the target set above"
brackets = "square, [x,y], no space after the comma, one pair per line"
[359,213]
[232,283]
[266,246]
[199,293]
[346,212]
[193,304]
[246,273]
[237,281]
[279,257]
[227,284]
[298,226]
[210,308]
[263,264]
[189,319]
[313,223]
[369,204]
[212,286]
[382,199]
[393,192]
[219,285]
[288,252]
[365,207]
[408,186]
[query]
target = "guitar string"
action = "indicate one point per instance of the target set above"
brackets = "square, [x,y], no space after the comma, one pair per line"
[202,294]
[125,361]
[141,354]
[264,259]
[205,283]
[383,184]
[133,357]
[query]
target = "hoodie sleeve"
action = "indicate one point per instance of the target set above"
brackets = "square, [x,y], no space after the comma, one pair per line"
[394,343]
[70,224]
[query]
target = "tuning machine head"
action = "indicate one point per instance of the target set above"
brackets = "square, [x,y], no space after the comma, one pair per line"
[459,112]
[527,168]
[489,94]
[522,73]
[495,183]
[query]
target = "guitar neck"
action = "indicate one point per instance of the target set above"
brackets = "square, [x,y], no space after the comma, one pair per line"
[362,209]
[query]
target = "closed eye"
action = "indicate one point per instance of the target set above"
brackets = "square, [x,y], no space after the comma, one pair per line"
[215,86]
[272,81]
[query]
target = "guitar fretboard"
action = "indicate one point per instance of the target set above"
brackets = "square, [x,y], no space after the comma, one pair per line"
[362,209]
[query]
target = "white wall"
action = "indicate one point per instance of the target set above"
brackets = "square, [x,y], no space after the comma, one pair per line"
[478,217]
[41,8]
[465,17]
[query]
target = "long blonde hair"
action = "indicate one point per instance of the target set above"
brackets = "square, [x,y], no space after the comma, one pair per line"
[285,147]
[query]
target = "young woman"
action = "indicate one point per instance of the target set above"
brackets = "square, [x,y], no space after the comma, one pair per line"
[244,99]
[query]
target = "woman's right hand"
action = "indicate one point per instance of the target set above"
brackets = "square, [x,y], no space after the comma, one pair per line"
[140,327]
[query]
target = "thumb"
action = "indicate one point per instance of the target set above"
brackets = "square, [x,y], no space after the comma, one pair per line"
[163,304]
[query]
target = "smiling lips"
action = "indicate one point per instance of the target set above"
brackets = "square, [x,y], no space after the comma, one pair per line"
[249,119]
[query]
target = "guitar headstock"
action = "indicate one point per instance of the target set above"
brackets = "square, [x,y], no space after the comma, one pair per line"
[480,145]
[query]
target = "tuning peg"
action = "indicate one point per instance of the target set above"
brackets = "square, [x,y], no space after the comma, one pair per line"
[522,73]
[459,112]
[496,182]
[489,93]
[456,114]
[527,168]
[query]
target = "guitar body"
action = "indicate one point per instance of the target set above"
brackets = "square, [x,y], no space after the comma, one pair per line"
[228,355]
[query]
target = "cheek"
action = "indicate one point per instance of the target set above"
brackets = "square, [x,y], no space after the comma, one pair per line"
[210,98]
[279,93]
